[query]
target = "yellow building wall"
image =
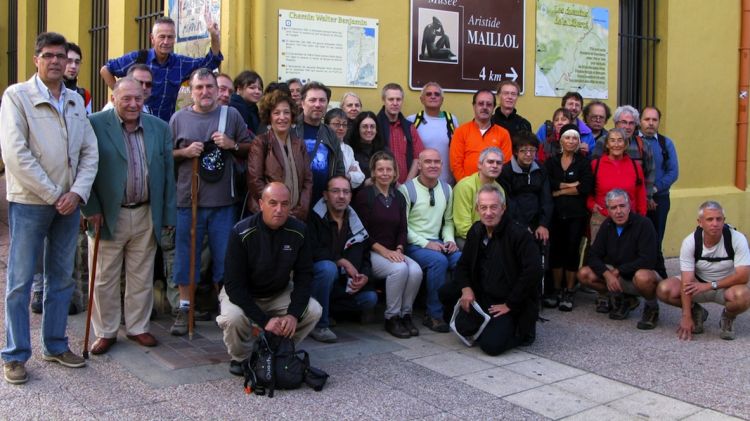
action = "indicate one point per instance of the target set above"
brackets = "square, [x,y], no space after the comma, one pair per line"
[72,18]
[4,28]
[698,66]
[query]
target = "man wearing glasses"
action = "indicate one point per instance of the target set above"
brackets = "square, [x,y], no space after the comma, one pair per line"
[506,114]
[430,231]
[51,160]
[438,134]
[626,118]
[473,137]
[596,114]
[141,74]
[341,254]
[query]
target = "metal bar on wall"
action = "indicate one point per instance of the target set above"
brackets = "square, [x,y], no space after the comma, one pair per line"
[12,42]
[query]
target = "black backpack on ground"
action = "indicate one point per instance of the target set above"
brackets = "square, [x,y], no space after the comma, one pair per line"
[275,364]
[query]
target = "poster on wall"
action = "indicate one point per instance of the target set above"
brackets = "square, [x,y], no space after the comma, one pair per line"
[465,45]
[333,49]
[190,17]
[572,49]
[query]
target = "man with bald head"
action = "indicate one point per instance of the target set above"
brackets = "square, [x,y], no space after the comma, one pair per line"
[267,278]
[132,200]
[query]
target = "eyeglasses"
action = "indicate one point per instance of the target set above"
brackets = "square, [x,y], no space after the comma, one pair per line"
[345,192]
[626,123]
[52,56]
[507,93]
[596,117]
[527,151]
[339,125]
[431,94]
[145,83]
[493,161]
[432,197]
[485,104]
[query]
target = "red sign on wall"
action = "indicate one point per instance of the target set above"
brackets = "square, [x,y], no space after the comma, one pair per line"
[465,45]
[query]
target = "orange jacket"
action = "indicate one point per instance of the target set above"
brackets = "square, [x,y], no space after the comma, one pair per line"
[468,143]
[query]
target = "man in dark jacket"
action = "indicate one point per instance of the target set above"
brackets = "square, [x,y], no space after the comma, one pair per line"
[341,254]
[505,114]
[326,157]
[259,290]
[622,259]
[499,269]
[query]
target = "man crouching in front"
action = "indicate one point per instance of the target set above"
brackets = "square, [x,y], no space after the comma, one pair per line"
[263,252]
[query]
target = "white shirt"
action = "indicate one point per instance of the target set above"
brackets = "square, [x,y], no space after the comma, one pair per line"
[714,271]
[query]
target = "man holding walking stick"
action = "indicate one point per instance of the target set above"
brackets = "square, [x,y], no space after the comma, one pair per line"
[51,159]
[135,152]
[211,133]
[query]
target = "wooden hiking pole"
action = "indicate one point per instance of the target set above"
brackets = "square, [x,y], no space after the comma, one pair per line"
[193,222]
[92,277]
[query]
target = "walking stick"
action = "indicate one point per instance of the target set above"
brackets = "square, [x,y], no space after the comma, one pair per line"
[193,222]
[92,277]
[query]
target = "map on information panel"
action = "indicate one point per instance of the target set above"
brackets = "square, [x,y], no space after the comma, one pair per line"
[332,49]
[572,50]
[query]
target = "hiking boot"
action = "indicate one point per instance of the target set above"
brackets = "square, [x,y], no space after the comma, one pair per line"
[603,304]
[551,300]
[67,358]
[237,368]
[37,302]
[15,372]
[409,325]
[180,326]
[649,317]
[324,334]
[700,315]
[725,326]
[435,325]
[396,328]
[623,306]
[566,300]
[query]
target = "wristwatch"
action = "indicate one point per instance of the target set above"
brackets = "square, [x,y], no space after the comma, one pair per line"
[714,285]
[236,146]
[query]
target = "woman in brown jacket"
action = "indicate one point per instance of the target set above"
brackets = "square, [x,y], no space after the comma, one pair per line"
[279,155]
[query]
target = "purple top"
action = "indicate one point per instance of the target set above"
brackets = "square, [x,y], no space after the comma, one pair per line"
[386,225]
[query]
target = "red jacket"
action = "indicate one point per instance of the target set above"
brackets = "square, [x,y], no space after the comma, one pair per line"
[622,174]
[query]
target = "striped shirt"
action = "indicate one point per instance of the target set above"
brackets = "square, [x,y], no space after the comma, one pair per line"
[167,77]
[136,184]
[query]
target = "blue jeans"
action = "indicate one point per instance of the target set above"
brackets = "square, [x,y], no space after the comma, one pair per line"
[29,225]
[324,287]
[435,266]
[218,223]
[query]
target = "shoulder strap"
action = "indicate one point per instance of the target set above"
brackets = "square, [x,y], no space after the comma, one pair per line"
[726,232]
[411,191]
[446,192]
[419,119]
[596,171]
[406,127]
[223,118]
[450,127]
[664,152]
[639,143]
[638,180]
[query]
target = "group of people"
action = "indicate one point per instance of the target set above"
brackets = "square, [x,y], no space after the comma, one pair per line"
[310,213]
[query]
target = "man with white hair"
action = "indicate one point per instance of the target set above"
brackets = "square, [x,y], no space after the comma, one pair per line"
[621,261]
[714,267]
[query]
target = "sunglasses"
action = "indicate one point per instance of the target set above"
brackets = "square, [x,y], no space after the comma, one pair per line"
[432,197]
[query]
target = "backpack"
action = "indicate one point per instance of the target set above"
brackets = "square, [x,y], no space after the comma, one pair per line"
[411,192]
[213,160]
[449,126]
[274,364]
[726,233]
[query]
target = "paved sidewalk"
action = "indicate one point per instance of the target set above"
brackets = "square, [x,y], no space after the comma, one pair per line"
[582,366]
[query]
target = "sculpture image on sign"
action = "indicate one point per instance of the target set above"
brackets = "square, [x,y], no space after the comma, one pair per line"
[465,45]
[436,43]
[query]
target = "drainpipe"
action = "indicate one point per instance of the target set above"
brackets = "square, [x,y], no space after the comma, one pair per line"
[740,179]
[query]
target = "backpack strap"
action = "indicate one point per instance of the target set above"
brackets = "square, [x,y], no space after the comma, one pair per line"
[446,192]
[726,233]
[639,143]
[450,127]
[664,153]
[411,192]
[223,118]
[638,180]
[419,119]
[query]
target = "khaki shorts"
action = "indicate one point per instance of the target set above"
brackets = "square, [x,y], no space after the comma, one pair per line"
[627,285]
[710,296]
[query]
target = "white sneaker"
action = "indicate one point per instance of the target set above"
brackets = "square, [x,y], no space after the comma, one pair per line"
[324,334]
